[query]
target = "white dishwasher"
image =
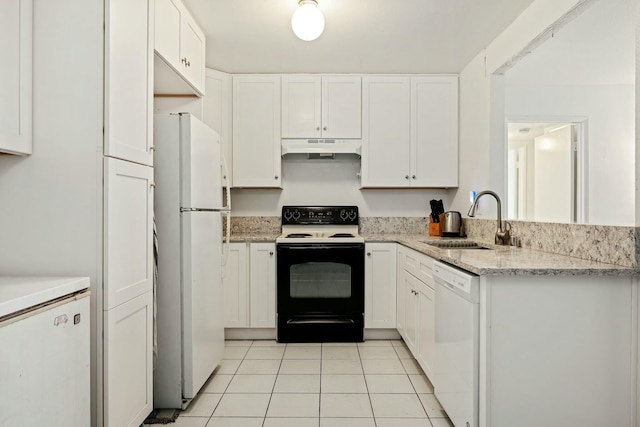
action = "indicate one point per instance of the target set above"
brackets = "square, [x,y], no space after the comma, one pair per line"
[456,326]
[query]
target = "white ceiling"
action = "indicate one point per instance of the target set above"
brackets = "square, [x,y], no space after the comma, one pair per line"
[361,36]
[596,48]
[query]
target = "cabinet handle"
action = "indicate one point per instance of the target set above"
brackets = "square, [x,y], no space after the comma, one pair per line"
[152,148]
[184,61]
[368,253]
[318,128]
[413,176]
[188,64]
[324,128]
[270,253]
[406,177]
[276,177]
[152,185]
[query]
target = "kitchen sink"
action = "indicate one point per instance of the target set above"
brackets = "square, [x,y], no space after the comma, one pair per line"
[460,244]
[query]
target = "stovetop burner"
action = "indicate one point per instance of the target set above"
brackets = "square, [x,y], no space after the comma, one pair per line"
[297,235]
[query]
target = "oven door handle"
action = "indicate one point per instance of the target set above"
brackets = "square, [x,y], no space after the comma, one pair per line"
[307,246]
[320,321]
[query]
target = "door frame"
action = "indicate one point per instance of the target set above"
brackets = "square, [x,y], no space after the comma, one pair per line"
[581,160]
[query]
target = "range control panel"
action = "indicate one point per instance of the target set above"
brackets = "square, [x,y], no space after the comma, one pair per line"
[320,215]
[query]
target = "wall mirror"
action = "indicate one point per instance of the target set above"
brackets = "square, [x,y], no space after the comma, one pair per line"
[570,113]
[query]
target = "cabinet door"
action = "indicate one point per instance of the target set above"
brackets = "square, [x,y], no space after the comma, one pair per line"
[426,334]
[216,113]
[262,260]
[400,292]
[16,17]
[128,231]
[380,285]
[167,30]
[434,131]
[128,81]
[341,107]
[192,50]
[301,106]
[386,131]
[128,364]
[236,288]
[410,311]
[256,131]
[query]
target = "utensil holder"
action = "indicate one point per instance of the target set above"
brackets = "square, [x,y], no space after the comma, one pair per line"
[435,229]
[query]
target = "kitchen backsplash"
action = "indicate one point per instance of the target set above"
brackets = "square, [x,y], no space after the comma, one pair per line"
[255,224]
[610,244]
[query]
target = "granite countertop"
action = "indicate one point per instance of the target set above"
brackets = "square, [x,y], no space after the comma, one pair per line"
[505,260]
[254,237]
[500,261]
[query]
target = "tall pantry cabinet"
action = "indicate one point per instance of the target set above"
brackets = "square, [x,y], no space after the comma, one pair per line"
[81,203]
[128,213]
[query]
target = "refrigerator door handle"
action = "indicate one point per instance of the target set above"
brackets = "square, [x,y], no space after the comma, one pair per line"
[226,245]
[227,187]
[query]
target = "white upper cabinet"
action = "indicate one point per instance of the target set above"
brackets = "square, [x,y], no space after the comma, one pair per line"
[321,106]
[434,131]
[180,44]
[216,113]
[128,81]
[256,131]
[16,18]
[386,135]
[410,131]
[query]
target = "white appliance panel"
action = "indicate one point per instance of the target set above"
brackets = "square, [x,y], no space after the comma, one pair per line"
[44,366]
[200,165]
[456,337]
[202,299]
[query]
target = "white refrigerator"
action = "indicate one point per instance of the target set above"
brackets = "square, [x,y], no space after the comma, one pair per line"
[188,210]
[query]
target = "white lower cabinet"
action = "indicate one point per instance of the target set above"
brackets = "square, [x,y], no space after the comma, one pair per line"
[250,286]
[425,331]
[262,267]
[128,362]
[410,295]
[236,287]
[416,308]
[380,285]
[128,231]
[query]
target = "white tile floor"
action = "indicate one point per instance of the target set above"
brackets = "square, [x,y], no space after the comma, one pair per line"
[267,384]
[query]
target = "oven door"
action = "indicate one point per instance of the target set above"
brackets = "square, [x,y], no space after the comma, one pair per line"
[320,278]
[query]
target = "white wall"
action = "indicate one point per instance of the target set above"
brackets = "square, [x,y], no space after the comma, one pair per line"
[474,162]
[481,165]
[332,182]
[51,201]
[610,113]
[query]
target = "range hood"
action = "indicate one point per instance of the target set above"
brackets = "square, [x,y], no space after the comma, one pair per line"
[321,147]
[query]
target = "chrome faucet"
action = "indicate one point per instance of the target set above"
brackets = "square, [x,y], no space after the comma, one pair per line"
[502,233]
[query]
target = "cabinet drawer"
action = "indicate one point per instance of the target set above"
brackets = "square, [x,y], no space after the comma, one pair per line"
[420,265]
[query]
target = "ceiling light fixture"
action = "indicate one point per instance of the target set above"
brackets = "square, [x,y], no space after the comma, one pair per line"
[307,21]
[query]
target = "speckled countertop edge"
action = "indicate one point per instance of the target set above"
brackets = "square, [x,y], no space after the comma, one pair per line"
[501,261]
[253,237]
[506,260]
